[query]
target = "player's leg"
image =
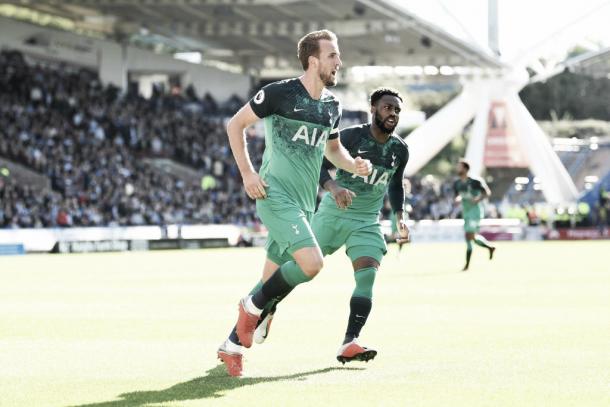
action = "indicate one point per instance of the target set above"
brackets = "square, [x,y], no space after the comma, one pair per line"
[269,268]
[480,240]
[291,230]
[400,244]
[231,350]
[469,236]
[264,323]
[308,262]
[360,305]
[366,248]
[305,266]
[361,302]
[330,237]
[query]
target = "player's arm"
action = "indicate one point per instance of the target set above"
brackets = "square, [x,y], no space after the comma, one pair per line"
[342,196]
[396,193]
[457,197]
[253,183]
[485,191]
[339,156]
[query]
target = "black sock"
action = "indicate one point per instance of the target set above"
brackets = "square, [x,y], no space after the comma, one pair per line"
[271,306]
[275,287]
[233,337]
[359,310]
[468,254]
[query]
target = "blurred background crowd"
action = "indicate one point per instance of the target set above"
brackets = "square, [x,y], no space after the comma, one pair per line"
[95,149]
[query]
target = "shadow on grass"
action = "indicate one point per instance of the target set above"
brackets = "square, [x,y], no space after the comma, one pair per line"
[211,385]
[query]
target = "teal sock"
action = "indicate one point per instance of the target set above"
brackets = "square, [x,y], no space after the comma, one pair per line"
[481,241]
[293,274]
[361,302]
[468,252]
[365,278]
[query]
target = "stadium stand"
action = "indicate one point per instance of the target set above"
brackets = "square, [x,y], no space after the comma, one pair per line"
[91,143]
[104,154]
[119,159]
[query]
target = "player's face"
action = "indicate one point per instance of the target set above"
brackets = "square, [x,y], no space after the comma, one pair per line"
[387,112]
[329,62]
[460,169]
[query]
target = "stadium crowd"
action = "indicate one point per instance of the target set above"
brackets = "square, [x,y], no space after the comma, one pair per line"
[94,144]
[91,142]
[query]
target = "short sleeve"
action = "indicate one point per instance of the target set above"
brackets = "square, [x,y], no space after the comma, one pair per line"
[264,103]
[479,184]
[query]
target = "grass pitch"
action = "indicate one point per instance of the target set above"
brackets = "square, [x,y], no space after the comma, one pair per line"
[531,328]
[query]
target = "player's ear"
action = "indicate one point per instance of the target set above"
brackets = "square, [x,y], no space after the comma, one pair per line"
[313,61]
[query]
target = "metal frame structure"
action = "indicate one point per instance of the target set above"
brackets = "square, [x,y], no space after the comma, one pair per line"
[260,36]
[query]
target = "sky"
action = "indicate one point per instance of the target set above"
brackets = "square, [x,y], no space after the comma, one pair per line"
[522,23]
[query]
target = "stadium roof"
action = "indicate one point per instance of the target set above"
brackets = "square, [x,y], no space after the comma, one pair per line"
[261,34]
[593,63]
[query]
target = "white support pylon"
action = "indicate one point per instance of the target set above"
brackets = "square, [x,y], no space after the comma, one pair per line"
[476,97]
[557,185]
[429,138]
[476,143]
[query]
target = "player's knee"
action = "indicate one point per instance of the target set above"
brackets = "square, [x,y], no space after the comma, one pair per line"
[365,262]
[365,279]
[312,266]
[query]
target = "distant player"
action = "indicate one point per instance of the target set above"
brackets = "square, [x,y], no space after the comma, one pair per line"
[349,214]
[470,192]
[301,126]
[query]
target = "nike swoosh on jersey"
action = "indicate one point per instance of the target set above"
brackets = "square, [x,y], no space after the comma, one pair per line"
[297,110]
[362,151]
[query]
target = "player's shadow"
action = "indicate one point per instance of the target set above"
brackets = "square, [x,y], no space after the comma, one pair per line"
[212,385]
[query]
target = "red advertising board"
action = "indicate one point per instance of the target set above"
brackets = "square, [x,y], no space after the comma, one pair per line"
[502,148]
[578,234]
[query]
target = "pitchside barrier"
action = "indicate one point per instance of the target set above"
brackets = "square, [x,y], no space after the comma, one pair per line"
[452,230]
[106,239]
[172,237]
[448,230]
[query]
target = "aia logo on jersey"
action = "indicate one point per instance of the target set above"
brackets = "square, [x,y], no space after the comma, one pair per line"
[376,178]
[310,136]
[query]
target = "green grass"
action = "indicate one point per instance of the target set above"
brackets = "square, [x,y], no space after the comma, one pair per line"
[531,328]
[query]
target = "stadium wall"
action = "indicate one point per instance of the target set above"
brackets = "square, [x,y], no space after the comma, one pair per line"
[112,62]
[137,238]
[103,239]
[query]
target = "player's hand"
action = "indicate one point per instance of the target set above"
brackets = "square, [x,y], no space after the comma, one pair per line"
[343,197]
[404,235]
[363,167]
[255,185]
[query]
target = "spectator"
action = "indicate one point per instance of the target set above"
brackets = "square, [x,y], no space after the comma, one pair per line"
[90,142]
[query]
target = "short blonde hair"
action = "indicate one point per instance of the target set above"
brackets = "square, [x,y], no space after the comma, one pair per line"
[309,45]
